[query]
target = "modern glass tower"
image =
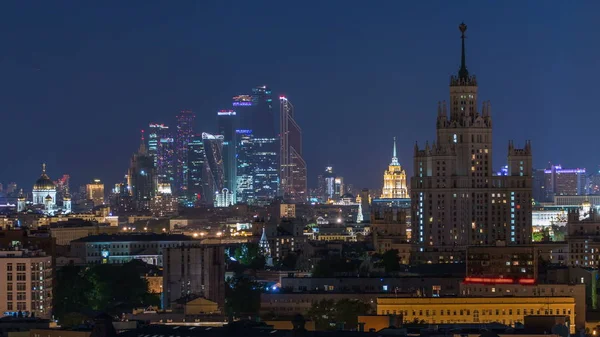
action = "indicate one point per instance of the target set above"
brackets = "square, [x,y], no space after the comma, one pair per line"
[245,167]
[292,165]
[213,148]
[227,120]
[196,177]
[185,132]
[161,146]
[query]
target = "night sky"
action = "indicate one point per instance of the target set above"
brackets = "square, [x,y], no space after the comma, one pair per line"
[79,79]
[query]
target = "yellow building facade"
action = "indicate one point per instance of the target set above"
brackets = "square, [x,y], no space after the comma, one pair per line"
[505,310]
[394,179]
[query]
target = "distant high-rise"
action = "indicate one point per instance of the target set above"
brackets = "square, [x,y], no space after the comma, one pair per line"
[213,148]
[394,179]
[185,132]
[256,121]
[196,189]
[559,181]
[95,192]
[161,146]
[227,121]
[142,178]
[292,164]
[456,199]
[245,167]
[326,184]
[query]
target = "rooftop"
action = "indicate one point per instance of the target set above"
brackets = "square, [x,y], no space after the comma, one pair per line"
[127,237]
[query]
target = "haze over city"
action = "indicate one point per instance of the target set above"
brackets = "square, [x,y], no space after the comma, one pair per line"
[79,80]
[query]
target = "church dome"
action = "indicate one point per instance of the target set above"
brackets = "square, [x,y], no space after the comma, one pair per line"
[44,183]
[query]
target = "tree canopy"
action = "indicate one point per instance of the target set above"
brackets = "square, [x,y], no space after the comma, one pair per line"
[328,315]
[104,287]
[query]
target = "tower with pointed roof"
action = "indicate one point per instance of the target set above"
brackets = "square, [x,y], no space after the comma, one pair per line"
[141,178]
[456,199]
[394,179]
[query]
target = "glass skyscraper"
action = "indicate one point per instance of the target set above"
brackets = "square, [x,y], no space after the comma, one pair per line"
[292,164]
[161,146]
[258,161]
[226,124]
[185,132]
[213,149]
[196,173]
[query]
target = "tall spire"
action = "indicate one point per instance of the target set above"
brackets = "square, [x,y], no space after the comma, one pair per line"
[463,73]
[394,155]
[142,149]
[44,168]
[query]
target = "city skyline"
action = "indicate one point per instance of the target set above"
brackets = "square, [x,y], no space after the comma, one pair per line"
[403,89]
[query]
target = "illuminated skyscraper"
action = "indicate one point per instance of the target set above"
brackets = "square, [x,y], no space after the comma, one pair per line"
[196,190]
[95,192]
[257,121]
[394,179]
[213,148]
[245,167]
[226,124]
[292,164]
[456,198]
[185,132]
[326,184]
[141,179]
[161,146]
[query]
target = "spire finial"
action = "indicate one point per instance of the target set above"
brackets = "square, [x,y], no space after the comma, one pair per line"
[43,168]
[463,73]
[394,155]
[142,149]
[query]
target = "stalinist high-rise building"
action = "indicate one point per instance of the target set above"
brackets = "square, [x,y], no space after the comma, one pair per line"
[394,179]
[456,199]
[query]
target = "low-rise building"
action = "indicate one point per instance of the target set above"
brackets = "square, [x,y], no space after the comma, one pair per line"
[122,248]
[505,310]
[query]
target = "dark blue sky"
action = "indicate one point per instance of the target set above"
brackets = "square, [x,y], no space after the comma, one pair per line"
[79,79]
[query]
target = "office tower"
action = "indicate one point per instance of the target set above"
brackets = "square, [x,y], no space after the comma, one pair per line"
[365,204]
[213,148]
[95,192]
[26,283]
[227,124]
[338,187]
[122,200]
[194,271]
[142,178]
[394,179]
[456,199]
[326,184]
[245,167]
[185,132]
[161,146]
[196,190]
[539,192]
[256,119]
[292,164]
[561,181]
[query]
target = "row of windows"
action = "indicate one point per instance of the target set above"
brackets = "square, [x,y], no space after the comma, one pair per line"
[484,312]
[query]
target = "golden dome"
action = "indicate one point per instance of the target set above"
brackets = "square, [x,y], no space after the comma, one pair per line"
[44,183]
